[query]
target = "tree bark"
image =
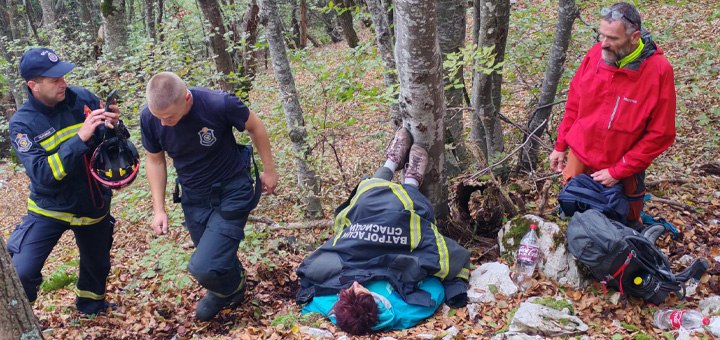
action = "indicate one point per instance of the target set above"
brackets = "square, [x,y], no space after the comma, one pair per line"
[307,179]
[567,12]
[30,21]
[486,129]
[16,31]
[451,34]
[130,9]
[422,102]
[88,15]
[48,12]
[346,22]
[115,31]
[303,24]
[17,320]
[383,38]
[149,9]
[158,22]
[294,25]
[328,19]
[249,32]
[218,46]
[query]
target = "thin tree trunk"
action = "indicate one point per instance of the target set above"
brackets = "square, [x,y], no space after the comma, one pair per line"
[307,179]
[131,10]
[422,102]
[149,9]
[15,31]
[567,12]
[486,129]
[383,38]
[30,21]
[16,316]
[451,34]
[223,62]
[249,32]
[389,18]
[294,25]
[158,22]
[48,11]
[303,24]
[328,19]
[346,22]
[115,31]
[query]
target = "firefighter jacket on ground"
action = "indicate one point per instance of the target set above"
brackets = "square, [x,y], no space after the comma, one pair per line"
[386,231]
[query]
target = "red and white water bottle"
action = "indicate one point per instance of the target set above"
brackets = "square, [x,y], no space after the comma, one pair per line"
[673,319]
[527,258]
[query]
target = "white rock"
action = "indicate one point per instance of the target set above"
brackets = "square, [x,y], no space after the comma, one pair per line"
[555,260]
[537,319]
[426,336]
[715,325]
[615,298]
[686,259]
[473,310]
[317,332]
[450,333]
[491,273]
[515,336]
[710,305]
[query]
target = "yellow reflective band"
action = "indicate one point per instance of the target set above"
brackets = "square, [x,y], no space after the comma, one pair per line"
[240,286]
[415,230]
[55,140]
[464,274]
[442,253]
[341,219]
[56,166]
[88,294]
[632,56]
[63,216]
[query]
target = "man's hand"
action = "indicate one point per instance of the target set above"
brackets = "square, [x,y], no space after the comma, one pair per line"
[112,117]
[603,177]
[269,181]
[92,121]
[160,223]
[557,160]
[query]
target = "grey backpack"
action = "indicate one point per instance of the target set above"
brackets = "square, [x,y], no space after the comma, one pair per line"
[617,256]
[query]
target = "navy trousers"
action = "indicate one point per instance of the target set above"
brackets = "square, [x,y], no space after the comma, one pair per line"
[32,241]
[215,217]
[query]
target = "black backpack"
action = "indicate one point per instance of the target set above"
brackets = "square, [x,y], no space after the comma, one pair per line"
[622,258]
[583,193]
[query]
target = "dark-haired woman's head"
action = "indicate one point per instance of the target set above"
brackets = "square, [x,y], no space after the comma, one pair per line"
[356,311]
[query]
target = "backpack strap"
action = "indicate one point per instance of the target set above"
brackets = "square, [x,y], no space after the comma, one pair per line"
[650,220]
[620,271]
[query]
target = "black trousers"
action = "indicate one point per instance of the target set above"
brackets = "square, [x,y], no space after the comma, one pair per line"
[32,241]
[216,218]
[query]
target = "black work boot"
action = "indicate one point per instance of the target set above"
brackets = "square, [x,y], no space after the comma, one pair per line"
[212,304]
[100,308]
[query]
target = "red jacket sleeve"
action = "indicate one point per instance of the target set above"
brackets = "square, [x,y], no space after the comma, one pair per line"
[659,133]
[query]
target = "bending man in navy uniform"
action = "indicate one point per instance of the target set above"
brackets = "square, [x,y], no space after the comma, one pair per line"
[54,133]
[194,126]
[386,232]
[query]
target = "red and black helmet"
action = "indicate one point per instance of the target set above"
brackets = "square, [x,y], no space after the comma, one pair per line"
[115,163]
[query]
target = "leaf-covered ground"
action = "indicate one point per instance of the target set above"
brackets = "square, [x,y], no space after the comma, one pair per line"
[156,298]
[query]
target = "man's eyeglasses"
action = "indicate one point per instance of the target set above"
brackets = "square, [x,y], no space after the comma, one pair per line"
[617,16]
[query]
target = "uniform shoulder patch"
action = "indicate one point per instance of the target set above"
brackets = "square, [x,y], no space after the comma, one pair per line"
[207,136]
[23,142]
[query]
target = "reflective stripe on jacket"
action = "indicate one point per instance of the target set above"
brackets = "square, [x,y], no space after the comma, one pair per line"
[385,231]
[619,118]
[46,142]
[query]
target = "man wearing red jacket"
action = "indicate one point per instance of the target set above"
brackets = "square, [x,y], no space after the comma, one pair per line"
[620,112]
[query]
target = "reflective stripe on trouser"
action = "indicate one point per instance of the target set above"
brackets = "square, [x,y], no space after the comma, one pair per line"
[634,186]
[33,240]
[214,263]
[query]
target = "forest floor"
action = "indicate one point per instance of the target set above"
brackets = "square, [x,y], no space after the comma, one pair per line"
[156,298]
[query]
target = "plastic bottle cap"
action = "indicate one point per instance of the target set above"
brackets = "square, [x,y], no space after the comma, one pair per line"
[638,280]
[532,226]
[706,321]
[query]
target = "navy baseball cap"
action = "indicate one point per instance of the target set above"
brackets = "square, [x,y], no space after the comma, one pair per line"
[37,62]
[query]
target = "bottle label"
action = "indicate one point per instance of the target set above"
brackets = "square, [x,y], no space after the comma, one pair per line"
[676,318]
[527,253]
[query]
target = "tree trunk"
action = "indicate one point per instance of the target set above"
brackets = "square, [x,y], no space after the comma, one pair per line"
[328,19]
[307,179]
[158,22]
[249,32]
[422,103]
[567,12]
[387,8]
[15,31]
[294,25]
[48,11]
[131,10]
[115,31]
[149,9]
[346,22]
[303,24]
[451,34]
[223,62]
[383,37]
[16,316]
[486,128]
[30,21]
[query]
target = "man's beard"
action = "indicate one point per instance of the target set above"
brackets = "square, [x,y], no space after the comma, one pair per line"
[612,57]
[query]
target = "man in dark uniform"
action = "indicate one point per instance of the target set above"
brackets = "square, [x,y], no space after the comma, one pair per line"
[54,134]
[194,126]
